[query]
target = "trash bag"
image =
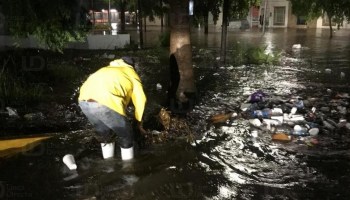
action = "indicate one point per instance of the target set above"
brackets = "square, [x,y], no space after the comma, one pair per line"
[256,97]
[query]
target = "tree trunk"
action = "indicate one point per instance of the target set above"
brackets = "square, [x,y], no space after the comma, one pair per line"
[144,23]
[77,12]
[122,17]
[330,26]
[182,87]
[140,23]
[206,22]
[224,30]
[161,15]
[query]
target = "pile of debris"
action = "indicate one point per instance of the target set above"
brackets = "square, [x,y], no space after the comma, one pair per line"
[172,127]
[295,119]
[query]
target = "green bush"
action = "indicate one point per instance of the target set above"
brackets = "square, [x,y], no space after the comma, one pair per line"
[249,54]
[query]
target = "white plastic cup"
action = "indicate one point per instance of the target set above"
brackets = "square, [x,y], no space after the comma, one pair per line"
[70,161]
[298,128]
[107,150]
[314,131]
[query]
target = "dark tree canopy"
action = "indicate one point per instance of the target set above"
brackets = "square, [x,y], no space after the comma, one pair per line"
[53,23]
[336,10]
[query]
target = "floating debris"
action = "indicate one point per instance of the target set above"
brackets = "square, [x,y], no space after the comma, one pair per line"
[296,46]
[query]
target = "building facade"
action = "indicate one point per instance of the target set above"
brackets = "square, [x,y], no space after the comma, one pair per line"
[279,15]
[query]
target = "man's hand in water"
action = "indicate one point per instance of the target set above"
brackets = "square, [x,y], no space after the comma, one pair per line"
[140,127]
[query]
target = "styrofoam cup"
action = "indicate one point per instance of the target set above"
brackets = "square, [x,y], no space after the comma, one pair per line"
[108,150]
[313,131]
[70,161]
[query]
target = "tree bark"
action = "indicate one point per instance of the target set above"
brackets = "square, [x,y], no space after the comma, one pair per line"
[181,54]
[122,16]
[77,12]
[330,26]
[206,23]
[161,15]
[224,30]
[140,23]
[144,23]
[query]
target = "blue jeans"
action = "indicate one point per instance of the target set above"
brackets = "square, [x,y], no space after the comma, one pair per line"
[108,123]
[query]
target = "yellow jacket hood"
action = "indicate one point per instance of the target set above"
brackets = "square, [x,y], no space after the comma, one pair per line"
[119,63]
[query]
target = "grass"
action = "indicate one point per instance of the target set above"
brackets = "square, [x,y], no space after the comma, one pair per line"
[15,91]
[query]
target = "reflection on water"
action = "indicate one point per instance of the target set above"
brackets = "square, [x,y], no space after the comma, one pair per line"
[228,162]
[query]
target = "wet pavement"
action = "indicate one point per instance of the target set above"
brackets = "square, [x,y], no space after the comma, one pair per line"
[227,161]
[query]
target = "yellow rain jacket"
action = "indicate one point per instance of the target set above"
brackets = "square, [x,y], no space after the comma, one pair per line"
[113,86]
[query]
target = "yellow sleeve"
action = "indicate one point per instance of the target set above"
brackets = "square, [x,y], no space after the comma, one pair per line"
[138,99]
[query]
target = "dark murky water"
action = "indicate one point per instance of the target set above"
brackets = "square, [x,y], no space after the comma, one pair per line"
[227,163]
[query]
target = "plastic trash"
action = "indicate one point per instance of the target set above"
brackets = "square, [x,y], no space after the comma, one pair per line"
[245,106]
[283,129]
[327,125]
[257,96]
[159,86]
[296,46]
[266,113]
[281,137]
[311,125]
[292,112]
[278,118]
[293,118]
[300,131]
[314,131]
[69,161]
[12,112]
[342,110]
[273,122]
[255,133]
[299,104]
[255,122]
[342,123]
[342,75]
[277,111]
[311,115]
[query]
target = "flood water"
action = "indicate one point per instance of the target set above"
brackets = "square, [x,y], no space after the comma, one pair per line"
[226,162]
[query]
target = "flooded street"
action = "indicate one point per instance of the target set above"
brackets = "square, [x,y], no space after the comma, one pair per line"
[227,161]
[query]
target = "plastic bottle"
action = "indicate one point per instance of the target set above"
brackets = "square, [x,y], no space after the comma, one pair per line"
[299,104]
[283,129]
[311,116]
[300,131]
[266,113]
